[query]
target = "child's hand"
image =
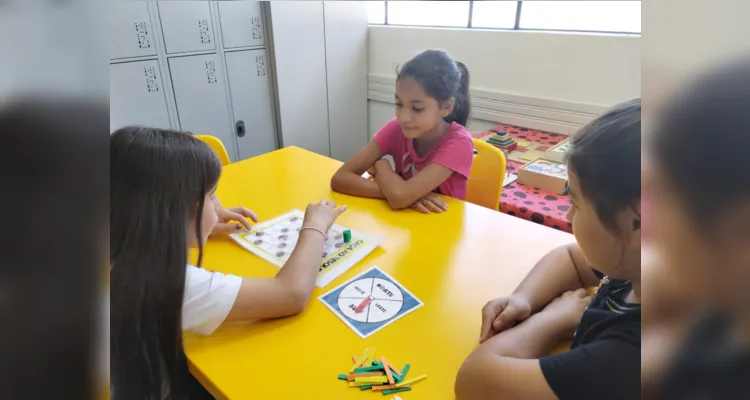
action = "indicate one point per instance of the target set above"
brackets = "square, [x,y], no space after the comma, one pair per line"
[566,311]
[321,215]
[502,314]
[430,203]
[237,214]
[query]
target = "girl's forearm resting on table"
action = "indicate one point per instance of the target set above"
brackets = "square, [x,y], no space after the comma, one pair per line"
[289,291]
[507,366]
[561,270]
[401,193]
[348,182]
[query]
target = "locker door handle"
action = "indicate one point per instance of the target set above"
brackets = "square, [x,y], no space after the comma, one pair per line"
[240,126]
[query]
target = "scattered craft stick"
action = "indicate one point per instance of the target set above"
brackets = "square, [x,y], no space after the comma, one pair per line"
[365,387]
[357,363]
[354,359]
[370,357]
[352,377]
[343,377]
[383,387]
[367,369]
[377,363]
[371,379]
[403,374]
[387,370]
[412,380]
[403,389]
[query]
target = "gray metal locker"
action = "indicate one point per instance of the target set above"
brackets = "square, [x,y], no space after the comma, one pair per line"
[198,83]
[187,26]
[136,95]
[251,101]
[130,30]
[241,23]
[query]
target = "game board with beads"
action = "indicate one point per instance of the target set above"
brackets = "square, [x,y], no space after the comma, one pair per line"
[274,241]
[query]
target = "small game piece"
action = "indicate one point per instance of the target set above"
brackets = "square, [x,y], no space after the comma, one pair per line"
[390,301]
[403,389]
[347,236]
[412,380]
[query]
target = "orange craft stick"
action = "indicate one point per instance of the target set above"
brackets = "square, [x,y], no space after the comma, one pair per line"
[354,359]
[386,367]
[351,377]
[383,387]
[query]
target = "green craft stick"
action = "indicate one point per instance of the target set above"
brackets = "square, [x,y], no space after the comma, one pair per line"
[367,369]
[377,363]
[363,388]
[403,389]
[343,377]
[401,378]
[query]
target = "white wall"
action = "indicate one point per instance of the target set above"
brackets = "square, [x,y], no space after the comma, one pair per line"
[683,37]
[544,80]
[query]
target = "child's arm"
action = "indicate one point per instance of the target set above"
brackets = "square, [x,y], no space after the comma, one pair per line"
[289,291]
[402,194]
[564,268]
[348,179]
[507,365]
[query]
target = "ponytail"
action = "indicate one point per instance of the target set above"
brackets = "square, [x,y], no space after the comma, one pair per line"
[442,78]
[462,106]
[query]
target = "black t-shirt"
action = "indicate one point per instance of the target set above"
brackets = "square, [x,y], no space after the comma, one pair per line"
[604,361]
[708,366]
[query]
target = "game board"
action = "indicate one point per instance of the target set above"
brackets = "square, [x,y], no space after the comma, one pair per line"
[370,301]
[274,241]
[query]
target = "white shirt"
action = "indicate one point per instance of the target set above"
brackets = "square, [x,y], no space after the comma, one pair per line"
[209,296]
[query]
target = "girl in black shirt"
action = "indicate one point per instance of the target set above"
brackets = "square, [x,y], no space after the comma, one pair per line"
[553,303]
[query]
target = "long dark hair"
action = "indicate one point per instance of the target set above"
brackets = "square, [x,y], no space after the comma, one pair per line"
[606,157]
[441,78]
[158,183]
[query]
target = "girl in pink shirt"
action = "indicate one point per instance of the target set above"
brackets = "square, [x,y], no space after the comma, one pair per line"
[431,149]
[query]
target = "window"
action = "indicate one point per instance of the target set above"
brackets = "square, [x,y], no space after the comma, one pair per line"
[607,16]
[376,12]
[585,16]
[429,13]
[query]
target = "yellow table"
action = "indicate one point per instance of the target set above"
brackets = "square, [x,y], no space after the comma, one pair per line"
[454,262]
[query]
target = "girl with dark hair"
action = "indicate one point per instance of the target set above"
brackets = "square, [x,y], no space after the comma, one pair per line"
[552,303]
[162,202]
[432,150]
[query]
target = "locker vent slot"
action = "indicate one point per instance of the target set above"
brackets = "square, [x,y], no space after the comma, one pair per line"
[257,35]
[152,84]
[141,32]
[260,65]
[203,28]
[211,72]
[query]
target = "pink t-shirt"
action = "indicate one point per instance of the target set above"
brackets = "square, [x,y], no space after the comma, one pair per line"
[455,151]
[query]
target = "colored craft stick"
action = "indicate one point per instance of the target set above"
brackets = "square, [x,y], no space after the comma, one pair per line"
[371,379]
[412,380]
[387,370]
[343,377]
[354,359]
[365,387]
[403,389]
[370,357]
[367,369]
[403,373]
[377,363]
[360,358]
[383,387]
[352,377]
[396,374]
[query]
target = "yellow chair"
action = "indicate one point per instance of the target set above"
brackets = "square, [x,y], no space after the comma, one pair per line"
[486,176]
[215,144]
